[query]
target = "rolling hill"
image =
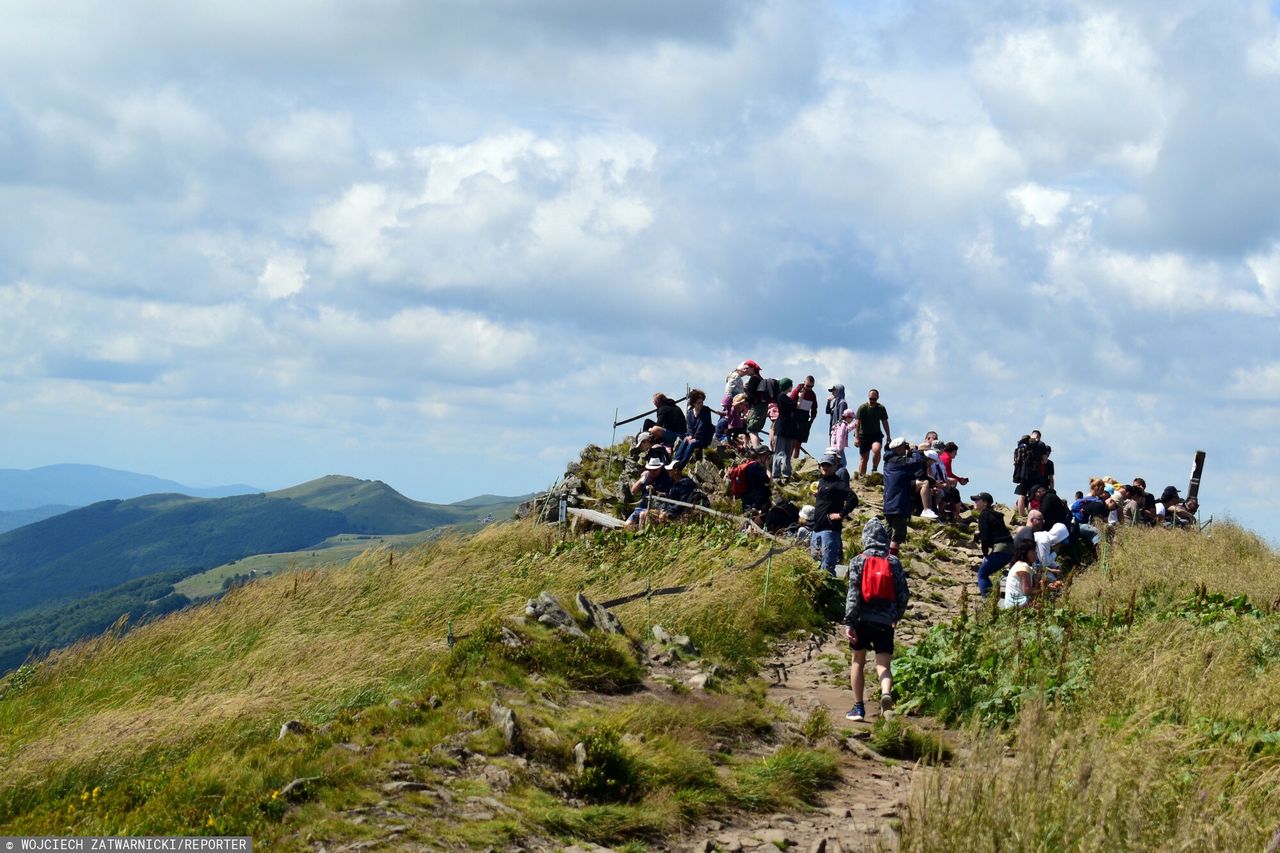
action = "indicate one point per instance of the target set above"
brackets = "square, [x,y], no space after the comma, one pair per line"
[14,518]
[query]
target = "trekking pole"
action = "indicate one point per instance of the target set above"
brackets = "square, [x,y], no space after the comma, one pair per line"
[613,439]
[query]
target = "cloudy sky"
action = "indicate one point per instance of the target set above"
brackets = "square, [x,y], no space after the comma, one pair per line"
[438,243]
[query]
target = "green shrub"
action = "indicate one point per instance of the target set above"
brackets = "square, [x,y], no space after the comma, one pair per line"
[610,773]
[895,738]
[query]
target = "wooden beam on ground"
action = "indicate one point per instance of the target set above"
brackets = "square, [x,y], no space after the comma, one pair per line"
[596,517]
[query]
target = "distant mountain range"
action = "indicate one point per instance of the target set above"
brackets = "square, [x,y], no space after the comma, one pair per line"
[81,485]
[100,560]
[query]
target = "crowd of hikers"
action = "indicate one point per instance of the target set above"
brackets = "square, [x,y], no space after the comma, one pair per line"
[762,426]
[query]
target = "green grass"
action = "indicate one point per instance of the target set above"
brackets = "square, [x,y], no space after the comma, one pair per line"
[1139,713]
[174,724]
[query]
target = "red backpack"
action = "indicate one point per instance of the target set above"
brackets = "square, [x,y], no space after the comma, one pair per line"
[738,479]
[877,579]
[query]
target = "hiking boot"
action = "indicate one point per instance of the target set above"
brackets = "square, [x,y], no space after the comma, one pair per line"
[886,705]
[858,713]
[929,514]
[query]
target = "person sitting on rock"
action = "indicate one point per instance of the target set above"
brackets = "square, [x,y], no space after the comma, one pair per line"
[683,489]
[877,599]
[757,498]
[700,431]
[646,448]
[669,416]
[655,480]
[1020,583]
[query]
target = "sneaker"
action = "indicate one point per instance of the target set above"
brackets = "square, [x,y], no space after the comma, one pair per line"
[858,713]
[929,514]
[886,704]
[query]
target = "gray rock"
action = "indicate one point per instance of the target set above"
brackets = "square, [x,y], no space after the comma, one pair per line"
[505,719]
[404,786]
[776,837]
[548,611]
[580,756]
[598,617]
[684,644]
[699,681]
[660,634]
[510,638]
[293,727]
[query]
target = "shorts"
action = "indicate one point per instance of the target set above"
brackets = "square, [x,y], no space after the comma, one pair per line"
[865,442]
[1025,488]
[871,635]
[756,417]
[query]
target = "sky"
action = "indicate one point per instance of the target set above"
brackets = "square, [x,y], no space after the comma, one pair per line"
[439,243]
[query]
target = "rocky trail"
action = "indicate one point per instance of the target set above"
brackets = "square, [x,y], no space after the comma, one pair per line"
[862,811]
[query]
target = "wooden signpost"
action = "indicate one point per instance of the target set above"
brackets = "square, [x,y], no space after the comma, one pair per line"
[1193,488]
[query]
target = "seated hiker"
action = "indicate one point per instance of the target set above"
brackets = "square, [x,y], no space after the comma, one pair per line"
[993,537]
[876,601]
[1020,581]
[935,477]
[1168,506]
[947,456]
[1048,542]
[1144,502]
[1086,508]
[665,437]
[804,532]
[833,502]
[669,416]
[700,430]
[654,480]
[749,482]
[645,448]
[684,489]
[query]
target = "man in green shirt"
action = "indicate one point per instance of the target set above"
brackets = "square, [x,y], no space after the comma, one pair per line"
[868,436]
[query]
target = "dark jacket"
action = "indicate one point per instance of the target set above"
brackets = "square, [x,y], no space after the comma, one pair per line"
[836,406]
[700,429]
[788,425]
[900,475]
[834,495]
[757,495]
[1054,509]
[875,540]
[671,418]
[992,530]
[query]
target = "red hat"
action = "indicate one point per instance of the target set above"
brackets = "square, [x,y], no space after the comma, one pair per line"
[750,363]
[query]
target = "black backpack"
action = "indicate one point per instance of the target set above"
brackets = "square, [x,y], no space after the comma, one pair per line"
[781,516]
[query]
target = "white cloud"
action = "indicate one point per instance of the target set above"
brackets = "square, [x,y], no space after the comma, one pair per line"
[283,276]
[1039,205]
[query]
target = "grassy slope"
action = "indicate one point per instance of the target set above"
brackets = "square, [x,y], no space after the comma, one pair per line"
[163,720]
[1143,712]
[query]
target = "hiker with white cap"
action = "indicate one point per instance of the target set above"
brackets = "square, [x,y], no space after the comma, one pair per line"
[903,466]
[832,504]
[655,479]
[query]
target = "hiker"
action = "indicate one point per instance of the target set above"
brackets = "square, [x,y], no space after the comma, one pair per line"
[993,537]
[1144,502]
[655,479]
[836,407]
[669,416]
[1093,505]
[1028,469]
[1027,532]
[840,436]
[868,437]
[758,401]
[935,477]
[832,504]
[645,448]
[749,481]
[903,467]
[683,489]
[732,426]
[1019,583]
[1053,507]
[1048,542]
[927,442]
[786,429]
[806,413]
[700,431]
[877,599]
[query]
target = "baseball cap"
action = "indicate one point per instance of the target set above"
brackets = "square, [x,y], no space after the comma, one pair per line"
[982,496]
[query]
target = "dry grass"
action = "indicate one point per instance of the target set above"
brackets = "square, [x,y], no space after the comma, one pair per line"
[1225,558]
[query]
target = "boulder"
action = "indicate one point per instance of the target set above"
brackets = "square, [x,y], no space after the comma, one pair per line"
[598,617]
[505,719]
[548,611]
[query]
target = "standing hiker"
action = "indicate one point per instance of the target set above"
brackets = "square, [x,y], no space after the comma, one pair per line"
[877,599]
[833,502]
[868,435]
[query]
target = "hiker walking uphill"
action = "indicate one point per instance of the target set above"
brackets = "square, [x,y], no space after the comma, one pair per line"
[877,599]
[867,432]
[832,503]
